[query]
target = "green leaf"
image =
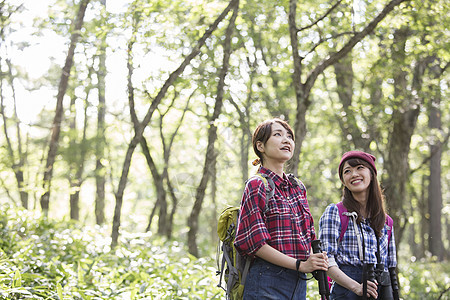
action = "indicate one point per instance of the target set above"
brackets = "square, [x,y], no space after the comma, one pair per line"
[80,274]
[17,280]
[59,290]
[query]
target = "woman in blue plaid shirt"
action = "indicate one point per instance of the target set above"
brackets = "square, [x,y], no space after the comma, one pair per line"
[363,199]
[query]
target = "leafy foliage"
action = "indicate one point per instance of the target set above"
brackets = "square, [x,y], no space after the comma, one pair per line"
[42,259]
[425,279]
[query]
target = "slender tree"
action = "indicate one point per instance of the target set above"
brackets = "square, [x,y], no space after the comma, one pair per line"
[17,155]
[434,186]
[140,129]
[164,220]
[77,152]
[212,136]
[100,170]
[243,110]
[246,134]
[56,126]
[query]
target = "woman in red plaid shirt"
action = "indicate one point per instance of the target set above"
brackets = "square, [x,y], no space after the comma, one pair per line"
[277,232]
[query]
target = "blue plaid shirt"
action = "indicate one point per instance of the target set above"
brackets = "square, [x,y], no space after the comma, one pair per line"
[346,252]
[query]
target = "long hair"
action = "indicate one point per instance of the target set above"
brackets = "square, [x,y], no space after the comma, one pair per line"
[375,202]
[263,132]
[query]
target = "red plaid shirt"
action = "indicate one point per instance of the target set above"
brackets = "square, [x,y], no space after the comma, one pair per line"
[287,225]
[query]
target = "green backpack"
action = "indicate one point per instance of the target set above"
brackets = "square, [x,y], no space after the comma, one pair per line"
[234,266]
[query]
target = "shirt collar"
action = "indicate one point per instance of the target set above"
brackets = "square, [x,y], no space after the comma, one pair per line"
[275,177]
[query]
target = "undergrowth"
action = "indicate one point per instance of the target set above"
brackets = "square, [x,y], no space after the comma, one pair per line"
[44,259]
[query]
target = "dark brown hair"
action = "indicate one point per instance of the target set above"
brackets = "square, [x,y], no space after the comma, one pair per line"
[375,201]
[263,132]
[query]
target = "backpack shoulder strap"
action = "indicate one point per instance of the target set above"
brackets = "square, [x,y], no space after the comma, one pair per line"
[390,224]
[295,181]
[343,218]
[269,185]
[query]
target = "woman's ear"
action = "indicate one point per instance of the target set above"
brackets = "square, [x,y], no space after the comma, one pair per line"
[260,146]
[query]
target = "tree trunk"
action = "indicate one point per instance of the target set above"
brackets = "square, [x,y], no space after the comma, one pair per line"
[167,227]
[152,214]
[213,216]
[302,99]
[174,206]
[404,120]
[414,247]
[424,219]
[74,202]
[100,171]
[158,179]
[73,162]
[18,157]
[56,127]
[374,119]
[200,193]
[140,130]
[414,229]
[80,163]
[344,81]
[397,168]
[161,202]
[447,226]
[246,134]
[212,136]
[164,226]
[434,187]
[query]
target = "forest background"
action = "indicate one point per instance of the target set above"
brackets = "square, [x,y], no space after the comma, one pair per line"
[127,130]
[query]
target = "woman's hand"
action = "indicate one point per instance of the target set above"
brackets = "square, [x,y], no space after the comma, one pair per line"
[342,279]
[316,261]
[371,289]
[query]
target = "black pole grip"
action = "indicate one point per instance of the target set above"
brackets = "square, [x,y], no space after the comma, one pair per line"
[321,276]
[394,283]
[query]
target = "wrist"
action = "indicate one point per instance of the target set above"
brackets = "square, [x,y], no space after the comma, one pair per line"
[356,288]
[298,265]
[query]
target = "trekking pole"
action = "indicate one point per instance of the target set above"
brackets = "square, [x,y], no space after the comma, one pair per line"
[321,276]
[394,283]
[368,275]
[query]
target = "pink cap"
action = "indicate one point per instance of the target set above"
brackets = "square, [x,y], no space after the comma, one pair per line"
[369,158]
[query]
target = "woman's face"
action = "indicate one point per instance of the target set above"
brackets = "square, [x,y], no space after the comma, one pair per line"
[357,179]
[280,145]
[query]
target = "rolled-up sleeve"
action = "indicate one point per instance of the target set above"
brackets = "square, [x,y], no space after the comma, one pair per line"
[329,231]
[252,233]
